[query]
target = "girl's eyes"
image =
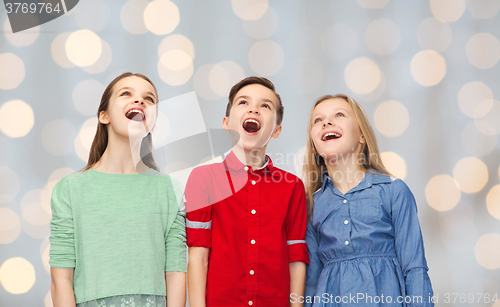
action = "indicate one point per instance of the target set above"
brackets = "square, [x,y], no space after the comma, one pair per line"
[341,114]
[317,120]
[150,99]
[125,93]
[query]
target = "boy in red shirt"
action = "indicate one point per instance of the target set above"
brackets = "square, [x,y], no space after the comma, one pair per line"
[246,219]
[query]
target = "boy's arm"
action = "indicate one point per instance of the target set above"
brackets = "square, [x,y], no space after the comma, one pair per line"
[297,282]
[61,287]
[197,275]
[176,289]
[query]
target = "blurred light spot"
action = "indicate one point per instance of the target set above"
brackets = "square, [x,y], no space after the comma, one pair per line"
[475,99]
[58,136]
[428,67]
[48,300]
[490,123]
[131,16]
[16,118]
[85,137]
[176,42]
[223,76]
[83,47]
[87,96]
[7,152]
[487,251]
[54,178]
[485,127]
[9,184]
[383,36]
[448,10]
[10,226]
[249,9]
[434,34]
[305,76]
[483,9]
[102,62]
[339,42]
[44,252]
[17,275]
[263,27]
[161,129]
[391,118]
[12,72]
[58,50]
[394,164]
[372,4]
[442,193]
[92,15]
[476,143]
[299,162]
[493,201]
[362,75]
[176,59]
[179,69]
[266,58]
[161,17]
[22,39]
[32,209]
[305,42]
[471,174]
[483,50]
[377,93]
[202,84]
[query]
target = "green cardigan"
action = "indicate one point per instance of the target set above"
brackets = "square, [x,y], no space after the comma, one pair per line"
[120,232]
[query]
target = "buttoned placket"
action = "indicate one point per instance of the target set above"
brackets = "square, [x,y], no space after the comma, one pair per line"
[345,216]
[253,232]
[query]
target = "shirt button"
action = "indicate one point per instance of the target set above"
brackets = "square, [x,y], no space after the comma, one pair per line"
[253,182]
[345,200]
[346,222]
[253,211]
[346,242]
[253,241]
[246,168]
[252,272]
[250,303]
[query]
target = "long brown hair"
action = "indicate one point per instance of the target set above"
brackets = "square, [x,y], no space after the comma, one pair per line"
[315,165]
[100,142]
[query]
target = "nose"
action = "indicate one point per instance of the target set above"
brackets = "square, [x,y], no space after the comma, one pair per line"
[139,101]
[253,110]
[327,122]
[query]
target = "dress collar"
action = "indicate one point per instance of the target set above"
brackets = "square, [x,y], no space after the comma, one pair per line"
[372,176]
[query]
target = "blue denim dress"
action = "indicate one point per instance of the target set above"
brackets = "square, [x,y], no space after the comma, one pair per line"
[366,247]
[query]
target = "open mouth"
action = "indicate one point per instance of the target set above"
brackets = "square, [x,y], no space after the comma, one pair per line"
[136,115]
[251,125]
[330,136]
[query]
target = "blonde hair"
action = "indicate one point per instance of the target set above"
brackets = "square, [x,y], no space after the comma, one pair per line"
[315,166]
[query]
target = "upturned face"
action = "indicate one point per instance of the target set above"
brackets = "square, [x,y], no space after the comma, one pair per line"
[335,131]
[253,116]
[131,111]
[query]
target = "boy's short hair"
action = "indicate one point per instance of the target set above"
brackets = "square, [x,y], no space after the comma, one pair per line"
[256,80]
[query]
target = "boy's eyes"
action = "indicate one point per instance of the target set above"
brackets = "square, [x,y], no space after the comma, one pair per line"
[242,102]
[265,105]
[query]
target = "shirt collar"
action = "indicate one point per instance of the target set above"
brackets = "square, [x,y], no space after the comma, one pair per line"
[234,163]
[372,176]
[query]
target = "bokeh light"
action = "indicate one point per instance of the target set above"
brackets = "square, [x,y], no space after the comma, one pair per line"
[58,136]
[383,36]
[131,16]
[84,139]
[305,76]
[442,192]
[266,58]
[10,226]
[92,15]
[83,47]
[483,9]
[223,76]
[362,75]
[48,300]
[394,163]
[17,275]
[161,17]
[434,34]
[9,184]
[58,50]
[491,124]
[448,10]
[477,143]
[471,174]
[26,38]
[339,42]
[264,27]
[16,118]
[102,62]
[487,251]
[483,50]
[372,4]
[201,83]
[249,9]
[176,42]
[475,99]
[493,201]
[428,67]
[175,67]
[12,72]
[391,118]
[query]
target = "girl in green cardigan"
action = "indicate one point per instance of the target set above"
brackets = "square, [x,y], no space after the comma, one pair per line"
[118,226]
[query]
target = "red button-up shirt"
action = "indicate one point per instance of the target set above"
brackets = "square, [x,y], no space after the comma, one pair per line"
[254,223]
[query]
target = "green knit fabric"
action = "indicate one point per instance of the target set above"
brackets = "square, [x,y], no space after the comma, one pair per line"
[120,232]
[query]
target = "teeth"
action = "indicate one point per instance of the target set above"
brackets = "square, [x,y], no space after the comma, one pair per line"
[253,121]
[134,111]
[329,134]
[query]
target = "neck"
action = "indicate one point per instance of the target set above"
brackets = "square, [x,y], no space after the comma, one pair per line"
[255,158]
[345,174]
[121,156]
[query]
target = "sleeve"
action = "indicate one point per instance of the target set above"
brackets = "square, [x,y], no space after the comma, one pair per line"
[62,240]
[315,265]
[175,238]
[199,210]
[409,244]
[295,224]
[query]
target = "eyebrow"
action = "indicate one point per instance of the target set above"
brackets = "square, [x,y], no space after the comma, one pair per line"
[129,88]
[248,98]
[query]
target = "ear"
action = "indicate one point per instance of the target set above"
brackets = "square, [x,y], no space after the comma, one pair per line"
[362,139]
[225,123]
[103,118]
[277,132]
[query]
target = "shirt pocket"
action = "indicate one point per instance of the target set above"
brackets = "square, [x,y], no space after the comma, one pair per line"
[367,210]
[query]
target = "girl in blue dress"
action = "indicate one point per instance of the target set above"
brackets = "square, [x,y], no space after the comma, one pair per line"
[363,235]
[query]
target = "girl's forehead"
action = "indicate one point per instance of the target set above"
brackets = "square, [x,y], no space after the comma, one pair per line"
[333,104]
[134,82]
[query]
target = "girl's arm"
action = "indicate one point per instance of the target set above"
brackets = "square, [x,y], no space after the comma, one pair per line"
[297,282]
[61,287]
[409,245]
[176,289]
[197,275]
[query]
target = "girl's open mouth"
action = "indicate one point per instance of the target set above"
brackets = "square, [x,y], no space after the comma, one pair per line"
[136,115]
[251,125]
[330,136]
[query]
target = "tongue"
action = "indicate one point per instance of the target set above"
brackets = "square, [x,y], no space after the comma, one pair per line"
[251,127]
[330,137]
[135,116]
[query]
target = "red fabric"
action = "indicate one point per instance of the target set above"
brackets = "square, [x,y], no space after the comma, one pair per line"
[223,193]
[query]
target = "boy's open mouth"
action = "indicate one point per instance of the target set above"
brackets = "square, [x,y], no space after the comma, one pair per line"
[136,115]
[251,125]
[330,136]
